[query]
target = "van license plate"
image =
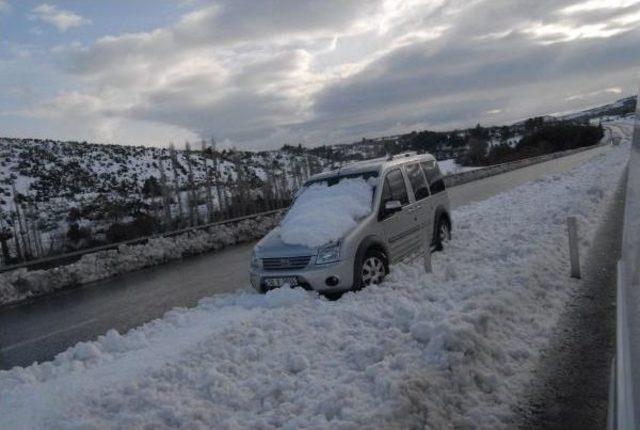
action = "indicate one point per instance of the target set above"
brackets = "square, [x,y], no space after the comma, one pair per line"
[279,282]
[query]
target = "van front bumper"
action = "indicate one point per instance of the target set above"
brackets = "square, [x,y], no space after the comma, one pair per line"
[313,277]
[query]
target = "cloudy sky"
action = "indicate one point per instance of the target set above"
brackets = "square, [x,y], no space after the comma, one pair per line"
[259,73]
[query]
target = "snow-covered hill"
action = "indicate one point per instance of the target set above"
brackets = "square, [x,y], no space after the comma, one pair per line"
[610,111]
[46,186]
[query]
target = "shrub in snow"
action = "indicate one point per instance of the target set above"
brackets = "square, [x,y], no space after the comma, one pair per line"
[322,213]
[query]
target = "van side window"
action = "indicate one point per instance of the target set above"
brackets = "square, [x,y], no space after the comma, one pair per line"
[417,180]
[394,188]
[434,176]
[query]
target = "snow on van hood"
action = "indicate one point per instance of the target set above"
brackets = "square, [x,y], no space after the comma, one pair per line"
[322,213]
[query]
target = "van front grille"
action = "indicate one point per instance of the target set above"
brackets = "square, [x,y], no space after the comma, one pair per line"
[286,263]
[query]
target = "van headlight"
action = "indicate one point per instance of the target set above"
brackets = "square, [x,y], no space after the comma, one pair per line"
[328,254]
[256,263]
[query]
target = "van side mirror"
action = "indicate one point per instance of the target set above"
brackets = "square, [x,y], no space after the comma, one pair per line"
[392,206]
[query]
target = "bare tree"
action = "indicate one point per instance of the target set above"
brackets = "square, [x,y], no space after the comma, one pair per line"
[26,245]
[307,167]
[174,164]
[207,153]
[217,176]
[32,229]
[220,191]
[5,235]
[191,186]
[164,189]
[16,237]
[268,191]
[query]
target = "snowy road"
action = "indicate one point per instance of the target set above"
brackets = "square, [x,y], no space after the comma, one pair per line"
[37,331]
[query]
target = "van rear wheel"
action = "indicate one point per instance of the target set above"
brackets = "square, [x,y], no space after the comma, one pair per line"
[443,233]
[373,268]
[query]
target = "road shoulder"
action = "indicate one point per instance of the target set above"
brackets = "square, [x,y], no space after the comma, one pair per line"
[570,388]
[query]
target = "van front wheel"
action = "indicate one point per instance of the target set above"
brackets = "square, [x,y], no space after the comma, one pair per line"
[373,268]
[443,233]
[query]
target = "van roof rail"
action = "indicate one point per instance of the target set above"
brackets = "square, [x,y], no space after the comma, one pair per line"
[404,154]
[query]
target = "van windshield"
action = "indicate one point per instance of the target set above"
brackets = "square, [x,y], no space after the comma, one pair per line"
[325,211]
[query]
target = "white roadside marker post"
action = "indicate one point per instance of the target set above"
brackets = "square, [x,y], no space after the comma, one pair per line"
[426,260]
[574,254]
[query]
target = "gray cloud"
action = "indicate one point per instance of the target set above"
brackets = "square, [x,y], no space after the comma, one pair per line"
[260,74]
[59,18]
[410,74]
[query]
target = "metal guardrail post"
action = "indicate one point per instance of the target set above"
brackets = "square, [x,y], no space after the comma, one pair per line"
[426,260]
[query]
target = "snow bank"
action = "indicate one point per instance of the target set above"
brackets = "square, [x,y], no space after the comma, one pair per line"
[20,284]
[451,349]
[322,213]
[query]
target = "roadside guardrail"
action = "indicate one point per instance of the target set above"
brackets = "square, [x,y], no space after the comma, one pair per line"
[70,257]
[497,169]
[624,412]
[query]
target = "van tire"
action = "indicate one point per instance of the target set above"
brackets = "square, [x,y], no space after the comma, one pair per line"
[442,232]
[373,268]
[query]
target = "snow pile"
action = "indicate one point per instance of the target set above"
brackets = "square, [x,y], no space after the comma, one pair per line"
[20,284]
[451,349]
[323,214]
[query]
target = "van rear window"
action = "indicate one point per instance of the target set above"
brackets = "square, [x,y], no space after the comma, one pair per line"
[434,177]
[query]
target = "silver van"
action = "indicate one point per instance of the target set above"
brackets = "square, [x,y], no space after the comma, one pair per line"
[409,215]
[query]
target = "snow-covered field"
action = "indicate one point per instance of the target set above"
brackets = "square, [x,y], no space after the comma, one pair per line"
[452,349]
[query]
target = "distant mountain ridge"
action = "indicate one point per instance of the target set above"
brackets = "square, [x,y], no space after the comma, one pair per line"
[617,108]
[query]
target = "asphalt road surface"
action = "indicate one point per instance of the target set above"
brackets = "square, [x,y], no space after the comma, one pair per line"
[40,329]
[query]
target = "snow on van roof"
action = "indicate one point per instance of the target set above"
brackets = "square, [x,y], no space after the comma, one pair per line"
[324,214]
